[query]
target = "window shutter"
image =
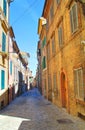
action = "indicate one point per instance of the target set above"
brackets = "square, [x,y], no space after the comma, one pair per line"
[60,35]
[75,16]
[53,45]
[81,87]
[3,42]
[11,67]
[4,7]
[58,1]
[49,83]
[2,79]
[75,83]
[71,20]
[79,84]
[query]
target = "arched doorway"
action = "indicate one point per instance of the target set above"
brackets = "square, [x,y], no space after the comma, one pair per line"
[63,90]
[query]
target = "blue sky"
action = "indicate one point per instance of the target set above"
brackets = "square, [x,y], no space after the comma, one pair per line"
[24,20]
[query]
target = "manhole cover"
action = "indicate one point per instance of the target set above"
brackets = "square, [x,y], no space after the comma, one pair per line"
[64,121]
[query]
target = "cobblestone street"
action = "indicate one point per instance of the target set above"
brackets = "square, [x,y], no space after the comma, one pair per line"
[32,112]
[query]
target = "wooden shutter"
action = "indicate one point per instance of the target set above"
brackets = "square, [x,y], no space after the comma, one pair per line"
[71,20]
[11,67]
[2,79]
[74,18]
[3,42]
[58,1]
[79,84]
[81,87]
[4,7]
[60,36]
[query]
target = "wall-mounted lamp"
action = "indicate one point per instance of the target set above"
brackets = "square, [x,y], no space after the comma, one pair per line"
[44,21]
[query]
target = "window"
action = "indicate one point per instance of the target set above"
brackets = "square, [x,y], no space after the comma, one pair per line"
[3,42]
[44,62]
[60,36]
[44,42]
[57,1]
[55,84]
[11,67]
[48,51]
[51,12]
[2,79]
[74,18]
[53,45]
[49,83]
[78,82]
[47,24]
[4,7]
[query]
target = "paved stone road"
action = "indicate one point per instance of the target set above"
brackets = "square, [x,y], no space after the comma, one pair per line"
[32,112]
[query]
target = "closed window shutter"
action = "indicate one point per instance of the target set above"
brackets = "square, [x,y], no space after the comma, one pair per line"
[60,36]
[48,51]
[2,79]
[4,7]
[74,18]
[44,62]
[58,1]
[53,45]
[81,87]
[3,42]
[51,12]
[75,83]
[79,84]
[11,67]
[49,83]
[71,20]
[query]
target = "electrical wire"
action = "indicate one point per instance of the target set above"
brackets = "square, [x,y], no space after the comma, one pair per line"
[27,11]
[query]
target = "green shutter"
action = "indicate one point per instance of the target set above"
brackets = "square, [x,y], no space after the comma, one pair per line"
[3,42]
[44,62]
[11,67]
[4,7]
[44,42]
[2,79]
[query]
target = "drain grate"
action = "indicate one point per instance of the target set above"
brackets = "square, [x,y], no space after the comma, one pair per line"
[64,121]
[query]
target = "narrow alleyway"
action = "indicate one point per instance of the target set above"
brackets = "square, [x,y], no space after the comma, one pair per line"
[32,112]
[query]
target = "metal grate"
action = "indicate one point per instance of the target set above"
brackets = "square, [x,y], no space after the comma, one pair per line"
[64,121]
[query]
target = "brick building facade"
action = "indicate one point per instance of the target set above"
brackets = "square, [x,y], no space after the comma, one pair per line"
[65,57]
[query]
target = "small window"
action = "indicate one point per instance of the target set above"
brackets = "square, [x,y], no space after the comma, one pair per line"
[74,18]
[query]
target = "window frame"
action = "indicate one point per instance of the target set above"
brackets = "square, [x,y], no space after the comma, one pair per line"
[60,36]
[3,42]
[72,18]
[77,83]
